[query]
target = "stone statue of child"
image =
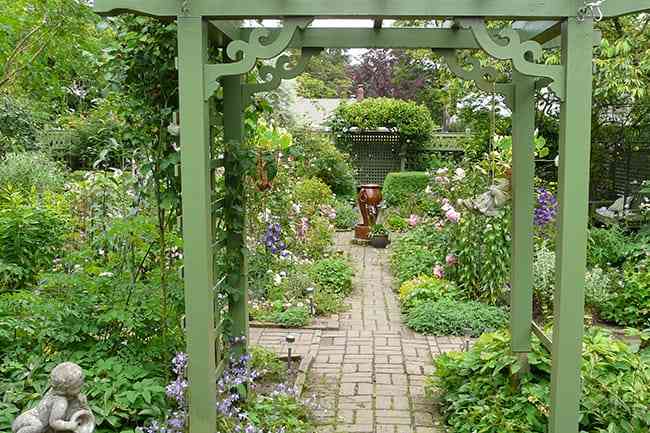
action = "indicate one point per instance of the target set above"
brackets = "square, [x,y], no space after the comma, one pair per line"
[63,408]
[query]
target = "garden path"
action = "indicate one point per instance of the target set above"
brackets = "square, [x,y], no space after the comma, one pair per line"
[368,376]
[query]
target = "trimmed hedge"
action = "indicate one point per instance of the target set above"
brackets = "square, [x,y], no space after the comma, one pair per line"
[411,120]
[400,188]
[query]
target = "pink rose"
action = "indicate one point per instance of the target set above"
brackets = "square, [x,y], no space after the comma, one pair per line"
[438,271]
[451,259]
[413,220]
[452,215]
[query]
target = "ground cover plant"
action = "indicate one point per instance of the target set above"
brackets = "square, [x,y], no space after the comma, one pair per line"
[252,396]
[483,389]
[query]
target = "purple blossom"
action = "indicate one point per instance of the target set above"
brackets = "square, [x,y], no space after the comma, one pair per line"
[546,208]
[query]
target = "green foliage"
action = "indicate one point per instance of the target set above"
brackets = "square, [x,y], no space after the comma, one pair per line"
[400,188]
[19,125]
[31,170]
[50,51]
[346,216]
[292,317]
[326,76]
[629,304]
[482,246]
[319,237]
[483,389]
[597,283]
[379,230]
[267,364]
[109,134]
[395,222]
[279,413]
[319,158]
[311,193]
[31,234]
[607,246]
[333,275]
[417,252]
[411,120]
[327,303]
[424,289]
[451,317]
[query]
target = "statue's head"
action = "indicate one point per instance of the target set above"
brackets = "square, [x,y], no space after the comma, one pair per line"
[67,379]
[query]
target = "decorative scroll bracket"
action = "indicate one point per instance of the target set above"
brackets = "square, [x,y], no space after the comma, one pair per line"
[272,75]
[524,55]
[479,76]
[245,54]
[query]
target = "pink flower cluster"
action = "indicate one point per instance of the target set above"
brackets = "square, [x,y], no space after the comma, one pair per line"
[450,213]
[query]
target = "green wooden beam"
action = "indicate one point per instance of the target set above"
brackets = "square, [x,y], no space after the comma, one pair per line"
[575,145]
[231,29]
[523,174]
[371,9]
[324,37]
[197,232]
[235,208]
[539,31]
[624,7]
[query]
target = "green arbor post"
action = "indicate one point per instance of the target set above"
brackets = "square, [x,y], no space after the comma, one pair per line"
[575,143]
[235,208]
[197,223]
[523,172]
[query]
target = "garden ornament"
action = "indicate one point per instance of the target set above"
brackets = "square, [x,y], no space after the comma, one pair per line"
[63,407]
[491,201]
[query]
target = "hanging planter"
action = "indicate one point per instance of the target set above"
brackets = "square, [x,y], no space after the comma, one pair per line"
[267,169]
[270,143]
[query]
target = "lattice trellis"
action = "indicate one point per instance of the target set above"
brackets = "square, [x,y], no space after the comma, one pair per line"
[375,154]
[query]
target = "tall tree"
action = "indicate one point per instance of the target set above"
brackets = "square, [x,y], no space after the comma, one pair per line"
[326,76]
[50,49]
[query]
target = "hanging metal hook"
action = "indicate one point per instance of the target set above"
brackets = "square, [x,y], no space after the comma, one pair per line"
[591,9]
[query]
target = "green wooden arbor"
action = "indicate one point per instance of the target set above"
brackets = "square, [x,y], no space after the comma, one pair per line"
[541,23]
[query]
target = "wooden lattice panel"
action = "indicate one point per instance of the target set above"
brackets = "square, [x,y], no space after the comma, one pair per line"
[375,154]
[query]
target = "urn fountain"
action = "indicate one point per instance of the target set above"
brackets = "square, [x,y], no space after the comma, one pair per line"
[368,199]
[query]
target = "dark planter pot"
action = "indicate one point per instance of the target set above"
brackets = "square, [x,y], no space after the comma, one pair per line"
[381,241]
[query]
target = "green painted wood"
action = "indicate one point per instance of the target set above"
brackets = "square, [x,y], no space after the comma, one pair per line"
[539,31]
[523,174]
[575,143]
[484,77]
[235,208]
[526,56]
[197,233]
[624,7]
[373,9]
[244,54]
[325,37]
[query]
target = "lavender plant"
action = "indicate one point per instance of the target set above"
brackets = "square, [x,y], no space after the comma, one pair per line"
[238,408]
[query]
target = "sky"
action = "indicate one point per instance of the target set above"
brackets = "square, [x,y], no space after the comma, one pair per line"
[355,54]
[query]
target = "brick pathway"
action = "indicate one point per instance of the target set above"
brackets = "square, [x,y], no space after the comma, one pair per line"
[368,375]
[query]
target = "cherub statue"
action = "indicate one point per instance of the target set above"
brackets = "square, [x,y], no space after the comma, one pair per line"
[62,409]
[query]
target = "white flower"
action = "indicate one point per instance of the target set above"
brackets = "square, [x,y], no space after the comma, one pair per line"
[106,274]
[459,174]
[277,279]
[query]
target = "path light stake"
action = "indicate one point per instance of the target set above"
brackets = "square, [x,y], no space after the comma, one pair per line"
[468,334]
[290,339]
[310,298]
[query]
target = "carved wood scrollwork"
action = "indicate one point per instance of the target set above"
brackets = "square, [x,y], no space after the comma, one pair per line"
[524,55]
[484,77]
[272,75]
[246,53]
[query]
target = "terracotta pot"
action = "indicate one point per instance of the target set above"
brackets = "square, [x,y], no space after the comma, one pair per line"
[369,198]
